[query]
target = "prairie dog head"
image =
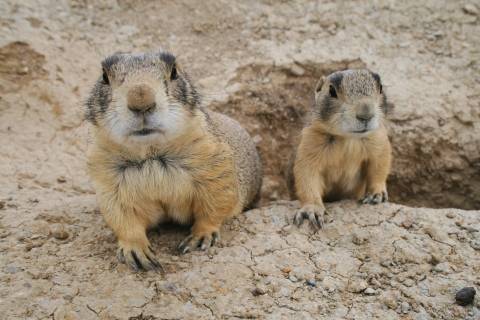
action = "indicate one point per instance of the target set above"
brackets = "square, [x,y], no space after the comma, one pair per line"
[350,102]
[141,99]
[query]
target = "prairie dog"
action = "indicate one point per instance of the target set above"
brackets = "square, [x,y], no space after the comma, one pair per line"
[158,154]
[344,151]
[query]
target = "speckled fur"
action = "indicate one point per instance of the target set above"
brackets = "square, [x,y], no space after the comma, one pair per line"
[202,169]
[342,155]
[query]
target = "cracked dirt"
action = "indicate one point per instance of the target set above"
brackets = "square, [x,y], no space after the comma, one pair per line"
[257,61]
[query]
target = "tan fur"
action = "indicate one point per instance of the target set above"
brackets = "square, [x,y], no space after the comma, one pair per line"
[329,165]
[136,200]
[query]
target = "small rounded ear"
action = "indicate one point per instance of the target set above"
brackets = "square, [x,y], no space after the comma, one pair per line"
[174,72]
[105,78]
[319,85]
[378,81]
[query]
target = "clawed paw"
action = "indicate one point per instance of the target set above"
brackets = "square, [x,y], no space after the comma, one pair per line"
[375,198]
[312,213]
[138,258]
[199,241]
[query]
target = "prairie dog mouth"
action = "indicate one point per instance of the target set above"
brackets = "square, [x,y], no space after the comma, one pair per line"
[361,131]
[145,132]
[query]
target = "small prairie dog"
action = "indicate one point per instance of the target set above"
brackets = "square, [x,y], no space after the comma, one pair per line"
[159,155]
[344,150]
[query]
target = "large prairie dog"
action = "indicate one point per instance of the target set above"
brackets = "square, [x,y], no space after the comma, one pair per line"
[344,150]
[159,155]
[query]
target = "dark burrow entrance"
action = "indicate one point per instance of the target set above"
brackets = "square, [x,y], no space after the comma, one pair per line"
[272,102]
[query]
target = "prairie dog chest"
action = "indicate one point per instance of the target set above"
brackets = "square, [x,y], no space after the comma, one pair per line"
[160,186]
[342,162]
[160,178]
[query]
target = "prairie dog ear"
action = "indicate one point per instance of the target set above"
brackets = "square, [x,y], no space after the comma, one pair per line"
[319,85]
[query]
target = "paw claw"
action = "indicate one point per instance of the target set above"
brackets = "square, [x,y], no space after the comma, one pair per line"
[312,213]
[375,198]
[203,242]
[137,258]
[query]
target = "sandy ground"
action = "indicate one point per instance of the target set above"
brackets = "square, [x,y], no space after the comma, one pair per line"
[257,61]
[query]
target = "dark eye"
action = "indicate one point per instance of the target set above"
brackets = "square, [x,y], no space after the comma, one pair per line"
[381,89]
[105,77]
[173,74]
[332,92]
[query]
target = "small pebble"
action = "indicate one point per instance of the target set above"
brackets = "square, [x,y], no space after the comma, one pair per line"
[297,70]
[369,291]
[405,307]
[286,270]
[58,232]
[360,237]
[450,215]
[311,282]
[259,290]
[442,267]
[408,283]
[470,9]
[407,223]
[389,301]
[465,296]
[357,286]
[475,244]
[293,278]
[12,269]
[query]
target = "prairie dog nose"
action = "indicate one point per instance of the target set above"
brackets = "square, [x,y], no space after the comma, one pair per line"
[364,116]
[365,113]
[141,98]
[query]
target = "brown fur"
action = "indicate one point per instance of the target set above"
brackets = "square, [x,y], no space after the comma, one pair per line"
[330,164]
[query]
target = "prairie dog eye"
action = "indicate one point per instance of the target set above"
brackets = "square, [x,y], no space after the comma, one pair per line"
[332,92]
[174,74]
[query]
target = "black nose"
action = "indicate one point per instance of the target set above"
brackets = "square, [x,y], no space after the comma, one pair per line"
[365,117]
[142,108]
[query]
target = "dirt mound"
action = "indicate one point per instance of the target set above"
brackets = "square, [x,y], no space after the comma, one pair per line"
[20,65]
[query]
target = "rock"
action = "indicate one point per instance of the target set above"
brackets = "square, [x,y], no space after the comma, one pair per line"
[443,267]
[470,9]
[451,215]
[360,237]
[12,269]
[422,316]
[65,313]
[389,299]
[465,296]
[370,291]
[408,282]
[58,231]
[404,307]
[475,244]
[259,290]
[297,70]
[311,282]
[407,223]
[357,286]
[286,270]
